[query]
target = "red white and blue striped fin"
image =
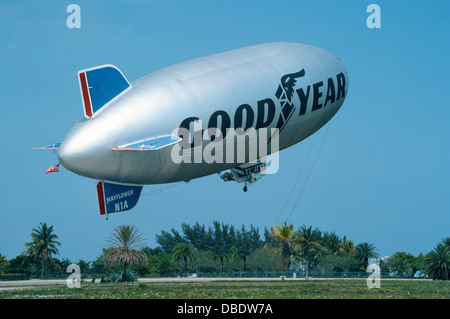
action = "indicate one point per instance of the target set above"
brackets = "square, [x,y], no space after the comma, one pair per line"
[99,85]
[117,198]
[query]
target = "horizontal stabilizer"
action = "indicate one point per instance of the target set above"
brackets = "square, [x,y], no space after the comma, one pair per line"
[150,144]
[53,146]
[117,198]
[99,85]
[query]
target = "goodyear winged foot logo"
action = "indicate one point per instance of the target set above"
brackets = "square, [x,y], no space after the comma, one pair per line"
[284,95]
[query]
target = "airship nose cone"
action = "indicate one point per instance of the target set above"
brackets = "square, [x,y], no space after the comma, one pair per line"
[85,154]
[75,155]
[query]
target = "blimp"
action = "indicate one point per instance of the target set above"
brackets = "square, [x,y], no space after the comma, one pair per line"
[229,113]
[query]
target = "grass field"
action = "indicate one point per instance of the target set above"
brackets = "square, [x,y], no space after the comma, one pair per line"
[288,289]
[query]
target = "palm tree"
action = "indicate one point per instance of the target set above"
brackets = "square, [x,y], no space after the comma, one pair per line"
[218,253]
[331,242]
[222,242]
[446,242]
[184,251]
[43,244]
[366,251]
[126,243]
[437,263]
[286,238]
[244,245]
[309,243]
[32,251]
[347,248]
[347,251]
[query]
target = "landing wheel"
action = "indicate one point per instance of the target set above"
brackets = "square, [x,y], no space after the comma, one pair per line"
[245,187]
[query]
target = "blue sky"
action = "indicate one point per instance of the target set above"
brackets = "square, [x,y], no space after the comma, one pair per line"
[381,176]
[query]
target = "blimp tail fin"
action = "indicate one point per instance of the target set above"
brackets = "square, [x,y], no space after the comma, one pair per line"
[117,198]
[99,85]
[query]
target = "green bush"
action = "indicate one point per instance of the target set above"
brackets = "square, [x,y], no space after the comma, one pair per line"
[7,277]
[130,277]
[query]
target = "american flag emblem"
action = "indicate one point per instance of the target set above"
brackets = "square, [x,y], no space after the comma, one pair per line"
[53,169]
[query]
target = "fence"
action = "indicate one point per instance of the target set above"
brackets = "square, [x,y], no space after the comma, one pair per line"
[293,274]
[239,274]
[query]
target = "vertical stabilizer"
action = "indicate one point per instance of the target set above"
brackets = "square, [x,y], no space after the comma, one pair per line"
[117,198]
[99,85]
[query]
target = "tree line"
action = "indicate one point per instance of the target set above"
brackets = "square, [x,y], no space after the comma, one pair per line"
[222,249]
